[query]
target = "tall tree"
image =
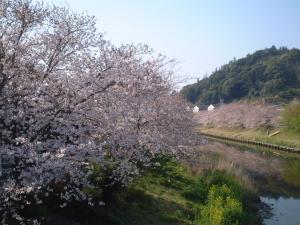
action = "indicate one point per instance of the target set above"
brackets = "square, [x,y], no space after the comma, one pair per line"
[69,99]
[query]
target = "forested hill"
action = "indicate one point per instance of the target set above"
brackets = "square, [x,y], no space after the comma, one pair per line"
[272,74]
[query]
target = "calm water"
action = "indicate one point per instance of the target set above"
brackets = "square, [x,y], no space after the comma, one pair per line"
[284,211]
[264,172]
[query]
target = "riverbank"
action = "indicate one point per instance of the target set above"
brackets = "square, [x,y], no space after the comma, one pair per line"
[219,184]
[173,194]
[273,175]
[244,141]
[169,194]
[284,138]
[255,165]
[290,160]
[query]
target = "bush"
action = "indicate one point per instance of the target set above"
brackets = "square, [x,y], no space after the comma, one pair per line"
[222,208]
[224,203]
[197,192]
[170,174]
[291,117]
[220,178]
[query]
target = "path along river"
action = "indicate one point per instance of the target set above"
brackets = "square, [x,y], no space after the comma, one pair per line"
[275,176]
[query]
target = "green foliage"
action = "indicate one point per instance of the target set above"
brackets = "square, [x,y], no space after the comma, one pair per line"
[222,207]
[96,178]
[166,194]
[170,174]
[197,192]
[216,198]
[221,178]
[291,117]
[271,74]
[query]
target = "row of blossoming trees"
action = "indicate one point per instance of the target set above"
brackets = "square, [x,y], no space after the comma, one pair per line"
[69,99]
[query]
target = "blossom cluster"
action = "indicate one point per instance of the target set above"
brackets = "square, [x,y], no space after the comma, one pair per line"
[70,99]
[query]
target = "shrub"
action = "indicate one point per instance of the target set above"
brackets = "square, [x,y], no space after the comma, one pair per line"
[197,192]
[222,208]
[221,178]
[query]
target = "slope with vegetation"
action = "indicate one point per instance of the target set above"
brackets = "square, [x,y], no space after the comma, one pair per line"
[169,193]
[254,121]
[291,117]
[272,74]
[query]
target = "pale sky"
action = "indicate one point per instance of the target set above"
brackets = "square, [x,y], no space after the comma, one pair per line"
[201,35]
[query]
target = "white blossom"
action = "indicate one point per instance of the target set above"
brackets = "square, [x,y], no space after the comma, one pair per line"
[69,98]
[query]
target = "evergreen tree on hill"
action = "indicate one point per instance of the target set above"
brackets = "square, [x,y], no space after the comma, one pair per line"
[272,74]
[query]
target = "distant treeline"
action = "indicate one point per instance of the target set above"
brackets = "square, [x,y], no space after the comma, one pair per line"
[272,74]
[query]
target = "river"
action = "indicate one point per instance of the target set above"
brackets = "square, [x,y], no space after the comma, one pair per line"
[274,176]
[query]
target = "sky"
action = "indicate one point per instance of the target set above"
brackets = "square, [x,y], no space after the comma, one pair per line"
[200,35]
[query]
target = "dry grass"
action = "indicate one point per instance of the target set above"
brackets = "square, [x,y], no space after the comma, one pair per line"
[221,157]
[285,138]
[253,121]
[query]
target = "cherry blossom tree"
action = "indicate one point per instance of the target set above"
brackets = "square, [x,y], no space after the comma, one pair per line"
[69,99]
[242,115]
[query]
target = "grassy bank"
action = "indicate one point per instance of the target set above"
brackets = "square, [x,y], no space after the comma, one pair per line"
[171,194]
[214,198]
[167,194]
[290,162]
[284,138]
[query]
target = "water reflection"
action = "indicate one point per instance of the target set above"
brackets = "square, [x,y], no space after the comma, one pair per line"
[285,211]
[261,171]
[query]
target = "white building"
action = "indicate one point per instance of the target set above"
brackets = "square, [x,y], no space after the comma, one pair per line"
[210,108]
[196,109]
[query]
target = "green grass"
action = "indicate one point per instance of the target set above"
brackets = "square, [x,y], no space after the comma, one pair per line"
[171,194]
[291,117]
[167,195]
[222,207]
[284,138]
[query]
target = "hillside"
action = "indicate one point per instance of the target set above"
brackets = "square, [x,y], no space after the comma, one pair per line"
[272,74]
